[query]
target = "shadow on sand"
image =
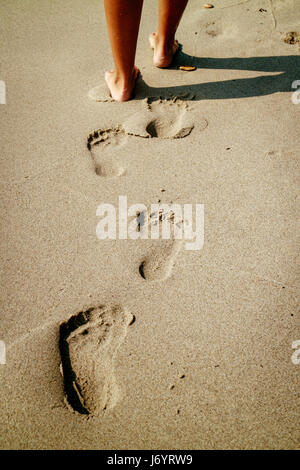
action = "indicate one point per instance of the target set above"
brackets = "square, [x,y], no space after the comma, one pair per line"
[287,68]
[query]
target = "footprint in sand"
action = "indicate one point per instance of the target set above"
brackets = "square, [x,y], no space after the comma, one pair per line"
[212,29]
[158,263]
[103,144]
[292,38]
[88,344]
[163,119]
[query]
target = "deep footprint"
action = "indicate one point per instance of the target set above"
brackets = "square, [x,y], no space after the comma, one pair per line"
[159,262]
[163,119]
[101,144]
[170,120]
[88,344]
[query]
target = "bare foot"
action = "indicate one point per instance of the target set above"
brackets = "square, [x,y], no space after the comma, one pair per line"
[163,54]
[120,90]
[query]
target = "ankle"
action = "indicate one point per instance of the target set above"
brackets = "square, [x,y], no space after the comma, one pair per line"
[124,80]
[165,43]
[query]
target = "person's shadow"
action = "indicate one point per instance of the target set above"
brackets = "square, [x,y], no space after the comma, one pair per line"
[287,68]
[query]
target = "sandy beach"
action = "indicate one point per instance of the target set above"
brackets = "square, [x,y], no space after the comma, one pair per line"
[144,344]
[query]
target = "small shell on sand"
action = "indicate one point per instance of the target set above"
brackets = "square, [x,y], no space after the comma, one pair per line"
[187,68]
[208,5]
